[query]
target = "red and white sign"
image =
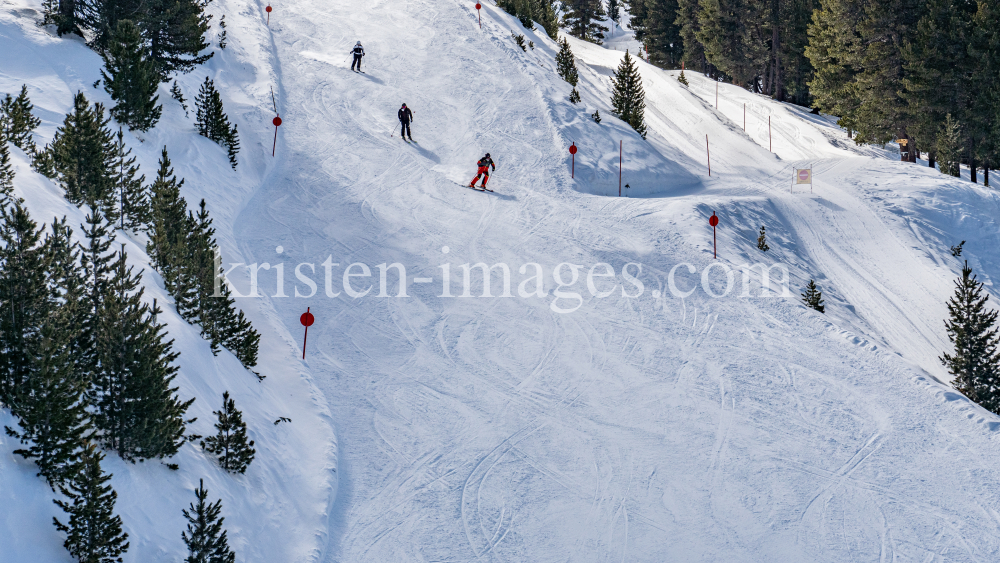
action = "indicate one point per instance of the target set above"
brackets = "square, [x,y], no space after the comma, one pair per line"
[804,176]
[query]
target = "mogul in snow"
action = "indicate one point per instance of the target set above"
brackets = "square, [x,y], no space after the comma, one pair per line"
[484,165]
[405,117]
[358,52]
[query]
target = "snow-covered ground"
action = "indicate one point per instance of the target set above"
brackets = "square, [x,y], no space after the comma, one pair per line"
[642,426]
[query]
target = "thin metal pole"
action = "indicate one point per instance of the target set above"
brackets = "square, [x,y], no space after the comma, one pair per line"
[716,94]
[620,144]
[275,146]
[770,141]
[744,117]
[304,338]
[709,153]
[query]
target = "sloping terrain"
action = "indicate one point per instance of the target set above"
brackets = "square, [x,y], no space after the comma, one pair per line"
[563,426]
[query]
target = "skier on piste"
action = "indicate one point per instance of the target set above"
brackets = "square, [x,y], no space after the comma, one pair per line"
[484,165]
[358,52]
[405,117]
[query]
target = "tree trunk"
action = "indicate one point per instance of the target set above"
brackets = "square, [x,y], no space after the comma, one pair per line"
[986,173]
[931,159]
[913,151]
[972,162]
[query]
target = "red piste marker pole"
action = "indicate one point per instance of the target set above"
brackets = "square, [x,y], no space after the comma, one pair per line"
[277,123]
[714,221]
[268,10]
[307,319]
[479,7]
[572,151]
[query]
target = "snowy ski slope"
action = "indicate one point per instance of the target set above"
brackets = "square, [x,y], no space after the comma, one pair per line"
[642,426]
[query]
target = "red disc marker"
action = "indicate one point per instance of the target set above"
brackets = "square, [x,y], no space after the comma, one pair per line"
[307,319]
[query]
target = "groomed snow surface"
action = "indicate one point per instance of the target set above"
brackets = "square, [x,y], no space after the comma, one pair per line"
[641,426]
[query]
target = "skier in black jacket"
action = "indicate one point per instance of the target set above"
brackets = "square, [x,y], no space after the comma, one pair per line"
[405,117]
[484,170]
[358,52]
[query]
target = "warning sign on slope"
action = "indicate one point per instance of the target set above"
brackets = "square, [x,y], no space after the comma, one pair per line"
[804,176]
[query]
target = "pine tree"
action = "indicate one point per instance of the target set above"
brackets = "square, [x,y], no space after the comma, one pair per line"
[64,14]
[24,300]
[244,341]
[175,92]
[526,13]
[44,163]
[83,156]
[176,30]
[949,147]
[545,12]
[566,63]
[628,97]
[230,444]
[683,79]
[689,29]
[232,145]
[583,17]
[615,11]
[212,121]
[222,35]
[813,297]
[132,197]
[168,230]
[130,78]
[20,120]
[972,329]
[6,172]
[51,412]
[762,240]
[596,116]
[209,309]
[93,532]
[135,409]
[205,538]
[662,37]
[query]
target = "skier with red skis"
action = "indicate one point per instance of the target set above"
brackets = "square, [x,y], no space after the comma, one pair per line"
[484,165]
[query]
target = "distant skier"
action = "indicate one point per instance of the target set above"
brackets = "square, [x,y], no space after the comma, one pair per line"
[484,165]
[358,52]
[405,117]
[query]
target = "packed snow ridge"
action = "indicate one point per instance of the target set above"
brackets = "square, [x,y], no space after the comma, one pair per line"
[665,407]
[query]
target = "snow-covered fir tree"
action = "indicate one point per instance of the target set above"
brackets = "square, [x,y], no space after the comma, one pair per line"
[93,531]
[131,79]
[627,95]
[971,327]
[230,444]
[205,537]
[813,297]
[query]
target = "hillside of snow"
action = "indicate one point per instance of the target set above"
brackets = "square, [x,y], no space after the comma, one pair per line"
[649,415]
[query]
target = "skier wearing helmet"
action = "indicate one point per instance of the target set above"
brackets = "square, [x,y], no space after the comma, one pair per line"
[405,117]
[484,165]
[358,52]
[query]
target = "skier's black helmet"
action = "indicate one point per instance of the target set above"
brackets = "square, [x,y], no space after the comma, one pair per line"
[404,105]
[487,155]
